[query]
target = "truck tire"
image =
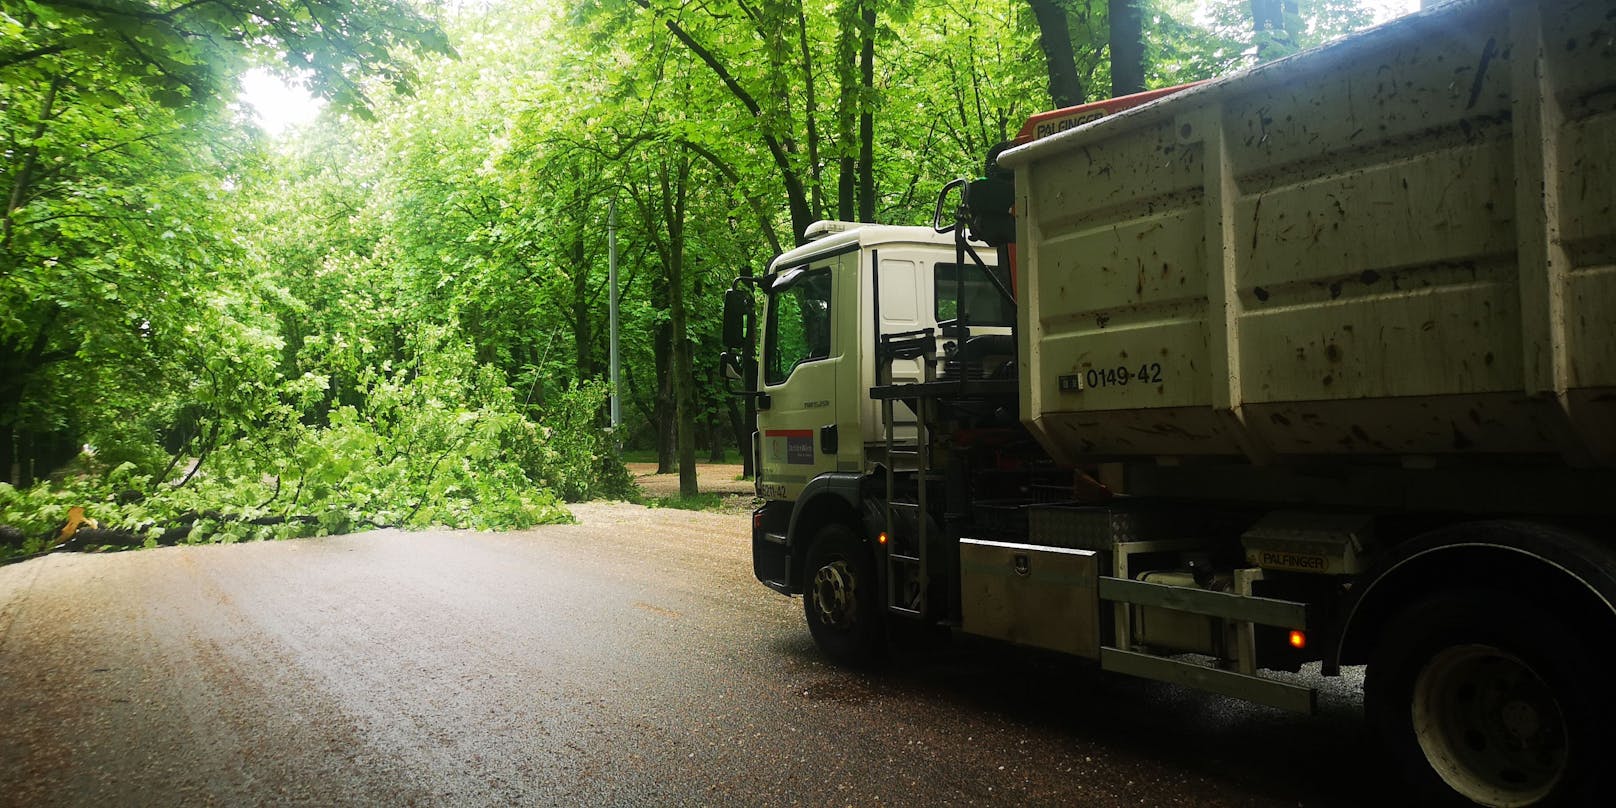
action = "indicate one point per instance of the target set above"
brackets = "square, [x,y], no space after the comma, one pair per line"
[1483,698]
[839,597]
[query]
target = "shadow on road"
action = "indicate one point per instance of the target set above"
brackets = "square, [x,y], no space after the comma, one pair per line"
[1327,759]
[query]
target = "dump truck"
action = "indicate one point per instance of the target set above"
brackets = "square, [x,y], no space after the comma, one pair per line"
[1314,364]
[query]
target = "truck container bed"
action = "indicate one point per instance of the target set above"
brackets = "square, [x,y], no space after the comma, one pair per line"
[1398,246]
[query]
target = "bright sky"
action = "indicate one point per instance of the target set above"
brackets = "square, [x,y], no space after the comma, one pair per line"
[278,106]
[1387,9]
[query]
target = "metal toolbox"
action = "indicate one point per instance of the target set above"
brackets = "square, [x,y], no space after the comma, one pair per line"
[1046,597]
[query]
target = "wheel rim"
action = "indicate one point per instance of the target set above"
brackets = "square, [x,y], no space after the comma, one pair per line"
[1490,726]
[835,595]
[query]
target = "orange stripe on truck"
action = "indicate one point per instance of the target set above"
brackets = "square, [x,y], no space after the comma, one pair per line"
[1045,124]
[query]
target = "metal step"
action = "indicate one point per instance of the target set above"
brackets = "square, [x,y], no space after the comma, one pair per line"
[1273,693]
[894,559]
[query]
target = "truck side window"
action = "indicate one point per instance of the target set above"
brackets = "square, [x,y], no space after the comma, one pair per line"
[983,303]
[798,325]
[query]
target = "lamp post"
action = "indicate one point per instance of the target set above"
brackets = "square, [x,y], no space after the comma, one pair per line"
[611,280]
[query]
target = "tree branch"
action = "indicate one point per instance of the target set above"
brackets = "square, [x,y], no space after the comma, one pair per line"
[17,58]
[19,186]
[735,181]
[796,194]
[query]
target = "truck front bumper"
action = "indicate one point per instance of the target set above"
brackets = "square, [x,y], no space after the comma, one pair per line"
[771,548]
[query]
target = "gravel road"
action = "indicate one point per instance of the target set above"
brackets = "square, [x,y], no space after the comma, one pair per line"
[630,659]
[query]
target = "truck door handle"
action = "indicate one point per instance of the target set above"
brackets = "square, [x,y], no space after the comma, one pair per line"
[828,440]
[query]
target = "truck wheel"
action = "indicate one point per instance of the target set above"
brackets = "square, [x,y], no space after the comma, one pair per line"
[1484,698]
[839,597]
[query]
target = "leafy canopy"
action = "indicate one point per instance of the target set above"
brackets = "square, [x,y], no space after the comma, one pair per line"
[190,52]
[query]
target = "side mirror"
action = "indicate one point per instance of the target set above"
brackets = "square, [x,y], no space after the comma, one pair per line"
[737,311]
[739,368]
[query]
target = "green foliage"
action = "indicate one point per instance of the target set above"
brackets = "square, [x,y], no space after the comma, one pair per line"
[436,443]
[572,454]
[400,317]
[131,315]
[28,518]
[433,441]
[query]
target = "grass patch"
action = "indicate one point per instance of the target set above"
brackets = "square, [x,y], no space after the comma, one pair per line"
[699,502]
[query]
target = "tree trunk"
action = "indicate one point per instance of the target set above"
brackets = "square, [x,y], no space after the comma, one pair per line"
[1127,48]
[10,458]
[675,192]
[847,107]
[715,438]
[21,362]
[744,428]
[665,432]
[866,158]
[810,111]
[583,336]
[740,423]
[1055,40]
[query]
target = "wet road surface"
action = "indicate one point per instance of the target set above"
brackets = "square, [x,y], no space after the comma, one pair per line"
[627,660]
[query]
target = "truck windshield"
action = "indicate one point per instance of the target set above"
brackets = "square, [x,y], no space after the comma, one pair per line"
[983,303]
[798,327]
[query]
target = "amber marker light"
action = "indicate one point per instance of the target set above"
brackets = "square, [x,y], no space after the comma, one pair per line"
[1298,639]
[882,538]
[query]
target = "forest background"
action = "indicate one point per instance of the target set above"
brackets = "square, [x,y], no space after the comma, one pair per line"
[396,315]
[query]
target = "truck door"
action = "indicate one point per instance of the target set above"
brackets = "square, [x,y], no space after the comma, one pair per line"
[802,355]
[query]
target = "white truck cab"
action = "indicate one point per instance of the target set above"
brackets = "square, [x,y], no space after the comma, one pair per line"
[815,413]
